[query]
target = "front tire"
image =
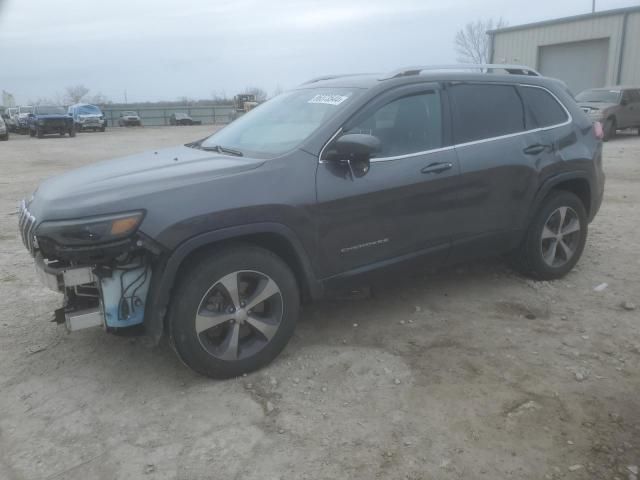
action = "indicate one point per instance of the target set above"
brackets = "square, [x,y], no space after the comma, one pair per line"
[234,311]
[72,132]
[555,239]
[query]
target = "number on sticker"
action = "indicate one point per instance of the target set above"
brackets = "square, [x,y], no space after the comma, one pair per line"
[328,99]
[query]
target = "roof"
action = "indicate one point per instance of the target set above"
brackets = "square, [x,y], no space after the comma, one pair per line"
[573,18]
[374,81]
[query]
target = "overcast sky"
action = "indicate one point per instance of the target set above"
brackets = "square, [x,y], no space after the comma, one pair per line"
[166,49]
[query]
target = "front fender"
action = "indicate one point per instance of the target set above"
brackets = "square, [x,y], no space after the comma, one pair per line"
[165,272]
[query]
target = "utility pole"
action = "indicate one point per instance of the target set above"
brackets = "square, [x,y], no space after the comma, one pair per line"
[593,6]
[125,95]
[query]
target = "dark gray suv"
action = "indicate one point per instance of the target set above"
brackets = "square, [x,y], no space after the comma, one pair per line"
[216,243]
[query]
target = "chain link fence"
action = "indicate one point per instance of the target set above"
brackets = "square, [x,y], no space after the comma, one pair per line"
[159,116]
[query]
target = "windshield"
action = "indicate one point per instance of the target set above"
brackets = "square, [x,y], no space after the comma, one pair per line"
[25,109]
[44,110]
[599,96]
[129,114]
[181,116]
[89,110]
[283,122]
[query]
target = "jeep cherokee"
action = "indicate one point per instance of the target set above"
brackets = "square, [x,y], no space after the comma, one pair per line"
[215,243]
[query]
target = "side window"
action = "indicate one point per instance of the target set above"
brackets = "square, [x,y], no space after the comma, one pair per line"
[626,97]
[485,111]
[544,110]
[407,125]
[635,96]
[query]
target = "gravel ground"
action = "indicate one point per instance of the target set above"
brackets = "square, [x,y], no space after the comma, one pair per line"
[469,372]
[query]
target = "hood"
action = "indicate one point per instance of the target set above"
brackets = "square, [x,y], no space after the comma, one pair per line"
[128,183]
[55,116]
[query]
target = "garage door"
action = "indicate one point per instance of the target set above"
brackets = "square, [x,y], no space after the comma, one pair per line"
[580,64]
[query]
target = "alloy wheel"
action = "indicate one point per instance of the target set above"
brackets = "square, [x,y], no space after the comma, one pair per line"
[560,237]
[239,315]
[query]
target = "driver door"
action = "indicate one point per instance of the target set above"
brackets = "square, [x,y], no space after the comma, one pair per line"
[399,206]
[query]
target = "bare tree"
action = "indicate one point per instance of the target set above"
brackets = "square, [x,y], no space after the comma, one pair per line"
[74,94]
[472,42]
[98,99]
[260,93]
[43,101]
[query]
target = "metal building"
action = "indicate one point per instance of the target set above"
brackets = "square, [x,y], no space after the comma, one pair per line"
[592,50]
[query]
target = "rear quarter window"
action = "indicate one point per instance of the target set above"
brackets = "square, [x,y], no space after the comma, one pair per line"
[544,110]
[482,111]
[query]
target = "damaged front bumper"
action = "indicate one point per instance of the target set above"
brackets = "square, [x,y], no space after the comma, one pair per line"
[113,297]
[106,284]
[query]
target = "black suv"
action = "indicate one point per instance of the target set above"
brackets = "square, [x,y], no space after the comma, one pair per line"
[216,243]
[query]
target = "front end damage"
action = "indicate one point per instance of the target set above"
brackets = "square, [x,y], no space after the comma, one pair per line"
[104,284]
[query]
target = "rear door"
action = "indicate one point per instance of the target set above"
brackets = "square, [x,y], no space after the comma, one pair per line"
[624,116]
[634,108]
[499,161]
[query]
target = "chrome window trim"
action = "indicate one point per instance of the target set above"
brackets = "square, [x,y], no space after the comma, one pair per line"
[473,142]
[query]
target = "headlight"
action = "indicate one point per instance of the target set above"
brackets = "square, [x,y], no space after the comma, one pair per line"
[92,230]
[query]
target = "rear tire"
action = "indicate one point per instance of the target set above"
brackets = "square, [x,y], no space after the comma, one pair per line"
[72,132]
[32,133]
[555,239]
[244,335]
[39,133]
[609,129]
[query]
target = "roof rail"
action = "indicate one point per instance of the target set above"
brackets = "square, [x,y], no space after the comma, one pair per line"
[483,67]
[331,77]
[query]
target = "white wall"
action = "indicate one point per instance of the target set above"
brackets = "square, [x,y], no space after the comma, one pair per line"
[522,46]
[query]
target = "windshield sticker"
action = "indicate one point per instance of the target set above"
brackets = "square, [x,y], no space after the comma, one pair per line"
[329,99]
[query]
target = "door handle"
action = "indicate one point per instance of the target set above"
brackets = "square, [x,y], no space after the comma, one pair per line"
[437,167]
[536,149]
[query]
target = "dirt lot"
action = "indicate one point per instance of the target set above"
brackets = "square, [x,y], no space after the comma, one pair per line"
[473,372]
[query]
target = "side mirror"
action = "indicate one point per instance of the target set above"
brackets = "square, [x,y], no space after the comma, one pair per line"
[355,150]
[356,146]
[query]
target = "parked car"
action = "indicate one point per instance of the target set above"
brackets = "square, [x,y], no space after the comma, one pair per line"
[4,130]
[182,118]
[616,108]
[87,117]
[22,119]
[129,119]
[11,118]
[215,243]
[48,119]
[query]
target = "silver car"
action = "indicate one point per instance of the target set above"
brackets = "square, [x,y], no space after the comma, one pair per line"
[4,130]
[616,108]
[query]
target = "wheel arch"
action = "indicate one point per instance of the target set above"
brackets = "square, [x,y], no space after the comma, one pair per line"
[274,237]
[577,183]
